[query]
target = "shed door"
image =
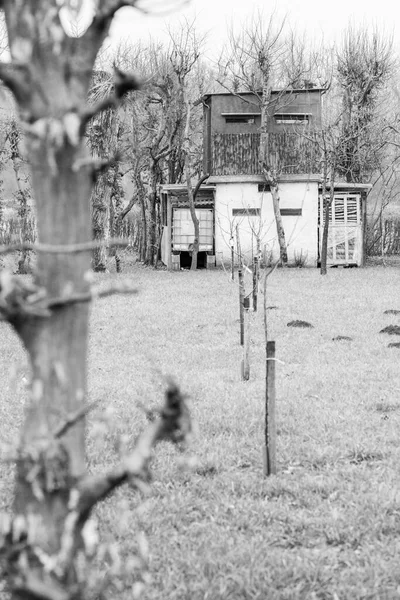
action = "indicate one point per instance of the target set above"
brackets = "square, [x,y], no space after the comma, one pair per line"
[183,229]
[345,230]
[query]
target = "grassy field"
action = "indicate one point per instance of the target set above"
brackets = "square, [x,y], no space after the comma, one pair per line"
[327,527]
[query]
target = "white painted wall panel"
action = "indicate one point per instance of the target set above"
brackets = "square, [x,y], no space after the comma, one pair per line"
[301,231]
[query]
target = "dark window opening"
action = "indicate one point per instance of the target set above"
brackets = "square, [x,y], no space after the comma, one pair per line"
[246,212]
[186,260]
[249,118]
[291,212]
[291,118]
[264,187]
[164,202]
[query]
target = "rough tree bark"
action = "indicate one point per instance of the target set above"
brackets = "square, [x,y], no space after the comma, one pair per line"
[327,203]
[23,196]
[50,77]
[151,253]
[117,214]
[103,139]
[328,172]
[142,200]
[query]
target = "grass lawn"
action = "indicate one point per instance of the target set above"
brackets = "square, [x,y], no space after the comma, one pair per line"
[327,526]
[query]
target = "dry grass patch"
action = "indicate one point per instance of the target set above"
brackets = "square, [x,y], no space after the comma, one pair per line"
[327,526]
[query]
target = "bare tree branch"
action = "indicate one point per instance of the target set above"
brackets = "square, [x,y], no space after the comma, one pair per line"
[14,76]
[120,287]
[128,207]
[173,424]
[71,420]
[123,83]
[33,587]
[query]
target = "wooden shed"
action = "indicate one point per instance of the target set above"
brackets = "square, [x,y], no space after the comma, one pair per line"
[347,224]
[236,196]
[178,231]
[244,203]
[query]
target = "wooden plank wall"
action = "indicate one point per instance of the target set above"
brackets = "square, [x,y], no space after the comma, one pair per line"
[290,153]
[236,154]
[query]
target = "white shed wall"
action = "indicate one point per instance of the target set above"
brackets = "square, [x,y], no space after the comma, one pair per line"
[301,231]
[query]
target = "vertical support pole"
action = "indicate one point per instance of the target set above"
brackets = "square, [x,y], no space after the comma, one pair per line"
[232,262]
[363,208]
[246,344]
[169,233]
[241,307]
[270,423]
[255,283]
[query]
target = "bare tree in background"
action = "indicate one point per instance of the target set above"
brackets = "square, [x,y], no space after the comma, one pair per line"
[364,63]
[47,544]
[257,59]
[352,145]
[185,53]
[104,132]
[23,196]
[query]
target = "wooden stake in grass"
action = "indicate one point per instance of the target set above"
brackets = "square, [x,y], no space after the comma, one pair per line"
[246,343]
[241,307]
[232,259]
[270,423]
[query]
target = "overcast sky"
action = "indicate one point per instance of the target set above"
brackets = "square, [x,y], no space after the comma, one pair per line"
[318,18]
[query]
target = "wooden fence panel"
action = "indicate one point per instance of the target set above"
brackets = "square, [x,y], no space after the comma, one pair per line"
[290,153]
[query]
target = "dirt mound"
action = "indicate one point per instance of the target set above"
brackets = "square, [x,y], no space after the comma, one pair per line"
[394,345]
[342,338]
[303,324]
[392,311]
[391,330]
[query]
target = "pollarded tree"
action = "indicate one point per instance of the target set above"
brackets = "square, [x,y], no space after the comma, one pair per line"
[152,126]
[364,64]
[157,153]
[42,546]
[103,134]
[184,55]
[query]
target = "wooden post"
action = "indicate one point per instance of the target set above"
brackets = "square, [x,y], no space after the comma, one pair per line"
[363,201]
[270,424]
[232,262]
[241,308]
[169,234]
[246,344]
[255,283]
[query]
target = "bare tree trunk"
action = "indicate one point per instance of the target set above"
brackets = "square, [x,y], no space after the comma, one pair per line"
[143,213]
[151,216]
[57,345]
[196,225]
[100,221]
[116,215]
[23,196]
[325,234]
[103,147]
[44,551]
[280,231]
[188,176]
[51,98]
[267,163]
[327,203]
